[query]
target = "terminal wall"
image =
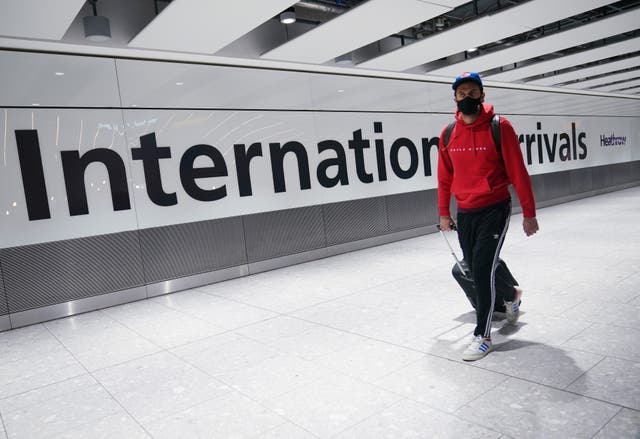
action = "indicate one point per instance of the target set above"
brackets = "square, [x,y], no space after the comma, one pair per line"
[125,179]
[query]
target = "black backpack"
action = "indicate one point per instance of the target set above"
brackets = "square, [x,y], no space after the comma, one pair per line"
[495,132]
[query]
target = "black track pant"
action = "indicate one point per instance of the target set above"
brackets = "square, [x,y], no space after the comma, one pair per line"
[481,234]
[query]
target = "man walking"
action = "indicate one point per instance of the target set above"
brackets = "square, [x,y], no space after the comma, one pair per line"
[478,174]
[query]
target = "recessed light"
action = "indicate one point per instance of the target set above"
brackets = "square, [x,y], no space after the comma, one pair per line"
[341,90]
[59,73]
[179,83]
[288,16]
[35,105]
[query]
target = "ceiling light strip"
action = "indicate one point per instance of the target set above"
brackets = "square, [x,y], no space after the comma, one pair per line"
[597,82]
[484,30]
[364,24]
[204,26]
[589,71]
[606,27]
[575,59]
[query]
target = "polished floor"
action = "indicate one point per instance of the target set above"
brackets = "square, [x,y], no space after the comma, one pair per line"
[364,345]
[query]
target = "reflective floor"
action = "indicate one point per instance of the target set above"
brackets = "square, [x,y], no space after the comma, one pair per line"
[363,345]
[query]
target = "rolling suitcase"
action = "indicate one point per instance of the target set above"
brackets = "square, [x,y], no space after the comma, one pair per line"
[503,278]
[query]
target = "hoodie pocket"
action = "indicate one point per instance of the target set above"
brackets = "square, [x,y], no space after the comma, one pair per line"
[464,185]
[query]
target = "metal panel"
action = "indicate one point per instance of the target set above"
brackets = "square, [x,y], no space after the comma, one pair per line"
[186,249]
[283,232]
[196,280]
[580,180]
[356,219]
[4,307]
[539,190]
[73,307]
[61,271]
[621,173]
[557,185]
[5,323]
[601,177]
[413,209]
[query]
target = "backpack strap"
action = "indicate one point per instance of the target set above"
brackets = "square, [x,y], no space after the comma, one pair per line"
[447,133]
[495,132]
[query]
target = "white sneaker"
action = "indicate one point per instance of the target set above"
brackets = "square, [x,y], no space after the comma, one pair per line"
[513,308]
[478,348]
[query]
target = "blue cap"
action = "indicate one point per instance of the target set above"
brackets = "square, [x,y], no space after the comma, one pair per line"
[467,77]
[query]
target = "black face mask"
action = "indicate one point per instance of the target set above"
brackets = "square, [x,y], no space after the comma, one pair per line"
[469,106]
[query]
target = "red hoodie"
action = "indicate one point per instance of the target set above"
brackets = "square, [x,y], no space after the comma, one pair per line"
[471,169]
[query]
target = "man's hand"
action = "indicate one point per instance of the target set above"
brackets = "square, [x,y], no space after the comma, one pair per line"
[446,222]
[530,226]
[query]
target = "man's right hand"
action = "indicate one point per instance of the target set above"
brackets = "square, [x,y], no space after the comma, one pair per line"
[446,223]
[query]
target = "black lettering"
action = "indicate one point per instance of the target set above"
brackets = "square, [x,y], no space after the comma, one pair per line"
[583,145]
[342,176]
[277,164]
[35,188]
[427,145]
[395,162]
[150,154]
[531,140]
[243,159]
[565,147]
[189,174]
[358,144]
[551,149]
[575,140]
[74,167]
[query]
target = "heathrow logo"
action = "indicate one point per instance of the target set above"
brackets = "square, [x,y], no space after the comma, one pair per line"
[612,140]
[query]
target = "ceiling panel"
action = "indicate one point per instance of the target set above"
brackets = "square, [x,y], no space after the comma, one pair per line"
[590,71]
[617,24]
[634,90]
[564,62]
[38,18]
[364,24]
[605,80]
[487,29]
[614,88]
[203,26]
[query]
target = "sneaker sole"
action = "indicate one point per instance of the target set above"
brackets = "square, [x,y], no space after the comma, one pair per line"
[477,356]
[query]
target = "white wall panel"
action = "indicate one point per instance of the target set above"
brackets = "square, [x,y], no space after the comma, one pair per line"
[337,92]
[179,85]
[57,80]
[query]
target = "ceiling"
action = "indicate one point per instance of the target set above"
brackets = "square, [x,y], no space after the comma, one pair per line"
[589,45]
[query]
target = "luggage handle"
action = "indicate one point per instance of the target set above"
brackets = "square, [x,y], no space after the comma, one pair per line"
[453,253]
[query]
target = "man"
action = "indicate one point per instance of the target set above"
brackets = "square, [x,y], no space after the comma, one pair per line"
[472,169]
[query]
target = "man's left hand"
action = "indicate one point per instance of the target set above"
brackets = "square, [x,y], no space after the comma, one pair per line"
[530,226]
